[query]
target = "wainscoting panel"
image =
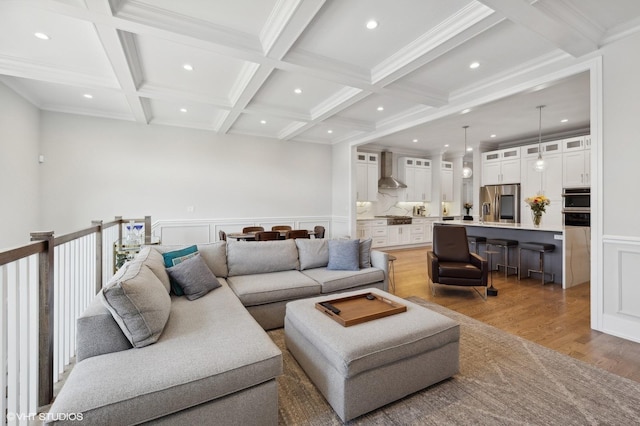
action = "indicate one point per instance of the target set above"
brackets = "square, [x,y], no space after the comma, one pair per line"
[176,234]
[621,287]
[201,231]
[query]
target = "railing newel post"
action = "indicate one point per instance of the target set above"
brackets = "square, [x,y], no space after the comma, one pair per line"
[46,317]
[99,253]
[147,229]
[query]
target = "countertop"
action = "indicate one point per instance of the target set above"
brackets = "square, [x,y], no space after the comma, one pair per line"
[412,217]
[502,225]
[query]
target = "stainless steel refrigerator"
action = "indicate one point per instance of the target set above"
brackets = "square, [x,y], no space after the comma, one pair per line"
[500,203]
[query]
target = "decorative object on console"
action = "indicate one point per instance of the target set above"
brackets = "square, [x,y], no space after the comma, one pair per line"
[538,206]
[467,207]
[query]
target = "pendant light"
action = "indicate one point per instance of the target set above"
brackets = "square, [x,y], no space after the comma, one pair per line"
[539,165]
[466,170]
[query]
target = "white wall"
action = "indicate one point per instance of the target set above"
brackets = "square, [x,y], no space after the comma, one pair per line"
[19,169]
[343,190]
[99,168]
[620,302]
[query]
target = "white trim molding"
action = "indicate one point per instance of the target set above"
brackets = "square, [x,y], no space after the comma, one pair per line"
[202,231]
[620,310]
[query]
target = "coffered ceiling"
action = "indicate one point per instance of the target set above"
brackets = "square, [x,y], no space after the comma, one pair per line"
[311,70]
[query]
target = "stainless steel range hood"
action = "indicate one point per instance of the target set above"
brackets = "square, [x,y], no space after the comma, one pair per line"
[387,181]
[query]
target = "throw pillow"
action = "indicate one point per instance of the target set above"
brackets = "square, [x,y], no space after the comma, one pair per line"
[153,259]
[172,258]
[194,277]
[139,303]
[312,253]
[344,255]
[365,253]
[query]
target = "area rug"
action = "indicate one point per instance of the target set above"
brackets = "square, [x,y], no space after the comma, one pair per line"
[503,380]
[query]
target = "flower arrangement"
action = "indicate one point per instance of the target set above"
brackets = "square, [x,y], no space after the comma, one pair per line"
[538,206]
[538,203]
[467,207]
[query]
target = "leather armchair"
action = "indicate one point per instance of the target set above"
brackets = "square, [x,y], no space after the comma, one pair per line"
[451,263]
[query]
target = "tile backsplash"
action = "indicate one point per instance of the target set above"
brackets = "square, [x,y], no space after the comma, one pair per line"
[388,204]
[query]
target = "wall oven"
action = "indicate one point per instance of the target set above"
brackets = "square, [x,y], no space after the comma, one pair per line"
[576,209]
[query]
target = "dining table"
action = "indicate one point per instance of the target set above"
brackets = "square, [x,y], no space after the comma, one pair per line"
[251,236]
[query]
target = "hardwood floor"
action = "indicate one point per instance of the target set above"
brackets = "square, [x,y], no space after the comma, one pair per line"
[548,315]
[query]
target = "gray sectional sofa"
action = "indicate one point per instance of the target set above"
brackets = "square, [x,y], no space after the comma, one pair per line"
[210,360]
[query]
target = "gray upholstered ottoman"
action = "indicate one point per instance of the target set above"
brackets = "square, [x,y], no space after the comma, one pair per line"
[365,366]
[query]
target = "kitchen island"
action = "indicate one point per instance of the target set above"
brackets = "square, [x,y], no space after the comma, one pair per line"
[569,262]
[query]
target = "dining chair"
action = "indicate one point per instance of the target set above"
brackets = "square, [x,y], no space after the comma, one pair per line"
[281,228]
[252,229]
[222,235]
[267,235]
[298,233]
[319,231]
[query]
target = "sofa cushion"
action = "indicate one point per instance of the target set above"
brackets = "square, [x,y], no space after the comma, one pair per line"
[213,254]
[344,255]
[194,277]
[312,253]
[259,257]
[211,347]
[98,333]
[365,253]
[259,289]
[172,258]
[332,280]
[154,260]
[139,303]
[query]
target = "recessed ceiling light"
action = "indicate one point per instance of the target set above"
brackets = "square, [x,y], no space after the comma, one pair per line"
[188,67]
[469,149]
[42,36]
[263,121]
[183,110]
[493,136]
[564,120]
[464,111]
[372,24]
[380,108]
[88,95]
[329,131]
[474,65]
[415,140]
[297,91]
[446,145]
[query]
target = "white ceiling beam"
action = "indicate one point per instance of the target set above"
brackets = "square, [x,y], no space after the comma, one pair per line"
[287,21]
[252,86]
[444,37]
[545,24]
[122,53]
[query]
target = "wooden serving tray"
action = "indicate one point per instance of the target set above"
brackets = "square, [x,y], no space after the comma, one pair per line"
[358,309]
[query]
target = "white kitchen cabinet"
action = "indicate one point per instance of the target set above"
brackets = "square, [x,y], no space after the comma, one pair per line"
[501,167]
[547,182]
[417,231]
[576,162]
[428,231]
[446,181]
[367,176]
[416,174]
[374,229]
[398,234]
